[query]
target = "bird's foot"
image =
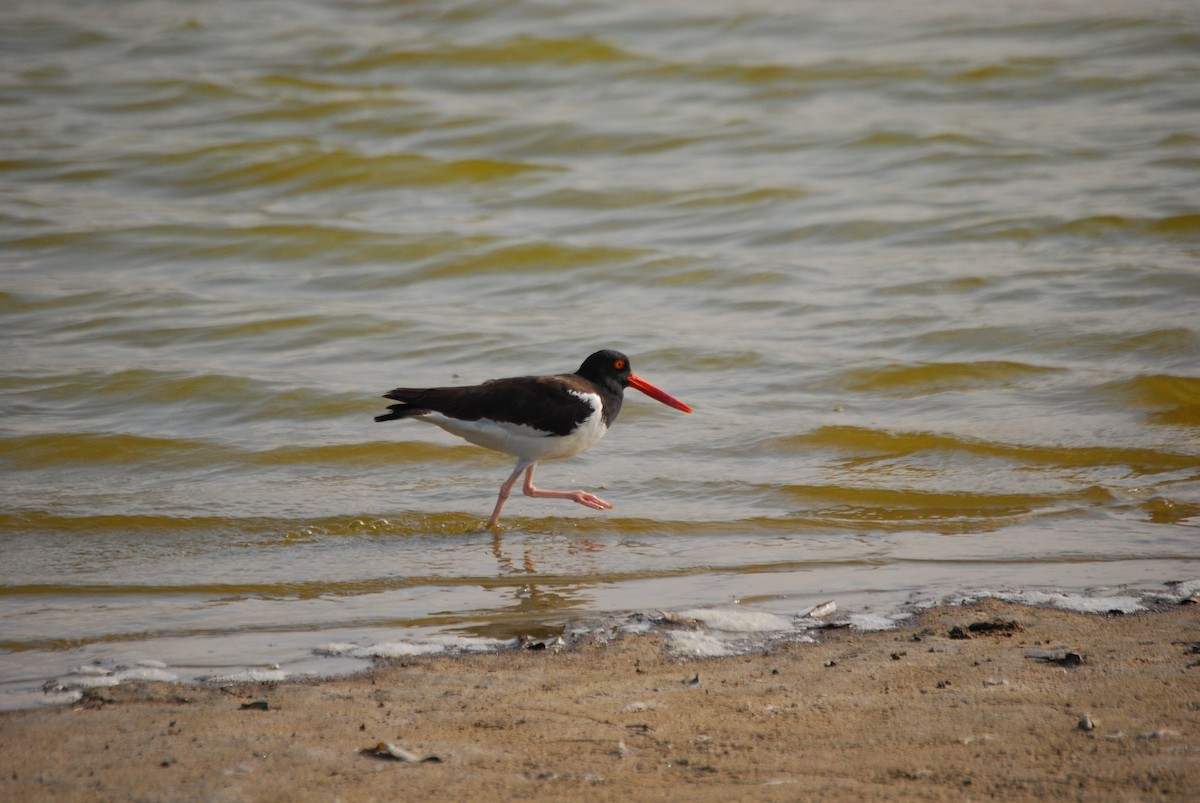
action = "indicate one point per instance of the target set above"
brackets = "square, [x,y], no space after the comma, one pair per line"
[582,497]
[590,500]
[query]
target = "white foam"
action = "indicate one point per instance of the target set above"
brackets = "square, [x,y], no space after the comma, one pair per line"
[1071,602]
[62,697]
[93,670]
[145,673]
[89,681]
[638,626]
[871,621]
[33,698]
[250,676]
[1188,588]
[94,676]
[738,621]
[697,644]
[393,649]
[407,649]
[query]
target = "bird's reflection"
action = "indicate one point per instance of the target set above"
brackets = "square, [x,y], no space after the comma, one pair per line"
[530,609]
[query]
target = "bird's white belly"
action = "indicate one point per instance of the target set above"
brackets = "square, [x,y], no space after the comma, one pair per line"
[526,442]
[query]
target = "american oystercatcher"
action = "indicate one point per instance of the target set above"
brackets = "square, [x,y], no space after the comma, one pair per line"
[532,418]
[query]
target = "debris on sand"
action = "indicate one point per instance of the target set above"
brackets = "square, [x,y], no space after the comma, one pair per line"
[390,751]
[1059,657]
[995,627]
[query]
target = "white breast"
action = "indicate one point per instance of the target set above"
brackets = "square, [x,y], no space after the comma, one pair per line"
[526,442]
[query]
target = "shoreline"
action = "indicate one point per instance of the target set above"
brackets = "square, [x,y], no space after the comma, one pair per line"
[1039,704]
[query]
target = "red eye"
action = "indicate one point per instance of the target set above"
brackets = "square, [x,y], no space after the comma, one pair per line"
[619,365]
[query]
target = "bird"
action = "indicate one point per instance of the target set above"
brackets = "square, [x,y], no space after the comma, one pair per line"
[532,418]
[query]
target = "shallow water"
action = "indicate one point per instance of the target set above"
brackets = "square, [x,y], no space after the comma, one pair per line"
[927,274]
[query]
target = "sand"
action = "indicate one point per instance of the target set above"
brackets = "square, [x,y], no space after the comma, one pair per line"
[910,714]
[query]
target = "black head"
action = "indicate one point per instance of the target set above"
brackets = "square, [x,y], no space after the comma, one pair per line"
[607,368]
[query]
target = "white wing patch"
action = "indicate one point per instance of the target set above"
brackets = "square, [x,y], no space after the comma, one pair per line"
[526,442]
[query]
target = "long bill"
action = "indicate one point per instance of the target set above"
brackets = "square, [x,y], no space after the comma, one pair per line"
[637,383]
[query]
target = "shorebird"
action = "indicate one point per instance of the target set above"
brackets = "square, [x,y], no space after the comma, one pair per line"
[532,418]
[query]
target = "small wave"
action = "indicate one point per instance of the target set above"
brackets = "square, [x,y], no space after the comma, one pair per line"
[533,257]
[1156,343]
[880,443]
[906,381]
[357,454]
[240,530]
[635,197]
[312,243]
[512,52]
[60,449]
[1170,400]
[1184,226]
[170,93]
[1093,227]
[1029,69]
[737,196]
[33,452]
[869,507]
[889,140]
[792,78]
[837,231]
[140,392]
[308,168]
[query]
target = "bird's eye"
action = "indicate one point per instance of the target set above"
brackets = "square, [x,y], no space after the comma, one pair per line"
[619,365]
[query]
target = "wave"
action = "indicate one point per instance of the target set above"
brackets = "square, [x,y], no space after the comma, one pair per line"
[517,51]
[872,508]
[531,257]
[306,166]
[94,392]
[31,452]
[236,531]
[906,381]
[1168,399]
[868,443]
[1092,227]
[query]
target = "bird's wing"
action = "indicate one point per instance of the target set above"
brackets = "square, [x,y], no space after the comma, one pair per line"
[552,404]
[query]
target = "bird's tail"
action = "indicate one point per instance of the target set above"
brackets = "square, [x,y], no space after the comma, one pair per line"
[405,407]
[399,411]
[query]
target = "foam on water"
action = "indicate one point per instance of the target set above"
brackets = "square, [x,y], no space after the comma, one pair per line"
[698,644]
[93,676]
[402,649]
[1071,602]
[250,676]
[732,620]
[873,621]
[690,633]
[729,631]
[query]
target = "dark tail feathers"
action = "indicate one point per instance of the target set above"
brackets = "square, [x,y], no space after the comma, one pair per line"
[399,411]
[402,410]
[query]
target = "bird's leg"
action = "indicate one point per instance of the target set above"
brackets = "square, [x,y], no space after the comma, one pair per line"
[582,497]
[505,490]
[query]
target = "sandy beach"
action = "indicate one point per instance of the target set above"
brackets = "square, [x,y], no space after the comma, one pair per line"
[1029,704]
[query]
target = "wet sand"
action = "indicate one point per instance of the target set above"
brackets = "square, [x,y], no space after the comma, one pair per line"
[922,713]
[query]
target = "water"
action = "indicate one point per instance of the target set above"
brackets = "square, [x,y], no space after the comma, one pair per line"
[927,273]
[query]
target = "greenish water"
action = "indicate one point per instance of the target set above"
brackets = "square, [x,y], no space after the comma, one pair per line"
[928,275]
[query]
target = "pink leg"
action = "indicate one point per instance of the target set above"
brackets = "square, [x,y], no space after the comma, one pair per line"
[582,497]
[505,490]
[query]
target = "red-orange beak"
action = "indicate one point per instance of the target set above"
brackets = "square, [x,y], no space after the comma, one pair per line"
[637,383]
